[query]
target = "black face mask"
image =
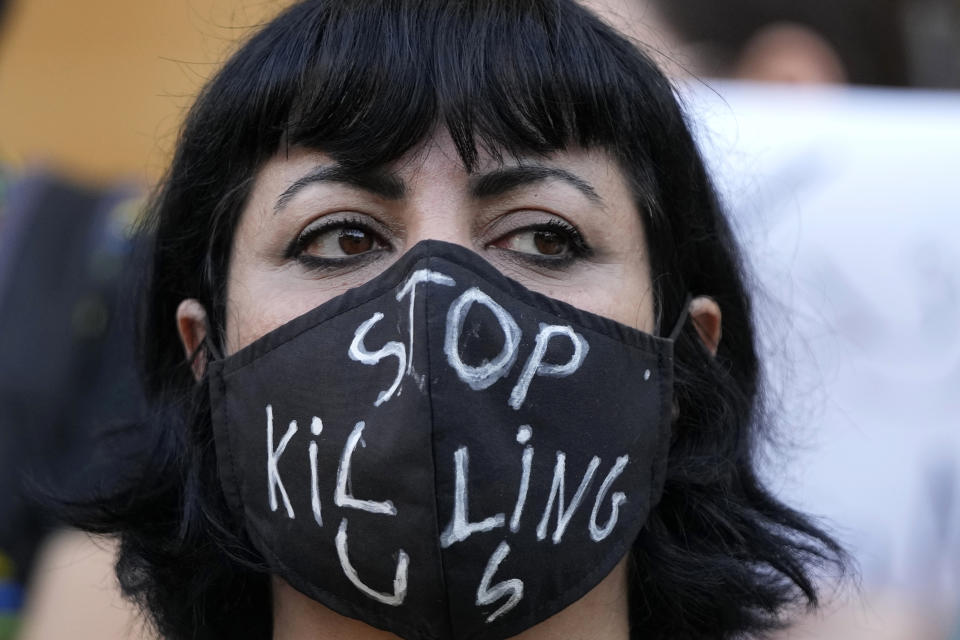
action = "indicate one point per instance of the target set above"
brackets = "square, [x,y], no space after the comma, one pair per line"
[441,452]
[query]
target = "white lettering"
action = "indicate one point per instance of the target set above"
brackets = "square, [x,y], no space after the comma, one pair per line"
[536,367]
[394,599]
[480,377]
[460,528]
[617,499]
[523,437]
[316,426]
[342,495]
[487,595]
[410,286]
[314,491]
[274,481]
[393,348]
[557,494]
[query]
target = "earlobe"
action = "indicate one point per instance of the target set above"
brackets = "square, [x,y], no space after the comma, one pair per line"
[706,317]
[192,328]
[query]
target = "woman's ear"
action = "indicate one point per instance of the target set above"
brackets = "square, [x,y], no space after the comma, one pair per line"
[705,315]
[192,327]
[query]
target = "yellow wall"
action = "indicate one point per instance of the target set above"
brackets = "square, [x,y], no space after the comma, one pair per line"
[98,87]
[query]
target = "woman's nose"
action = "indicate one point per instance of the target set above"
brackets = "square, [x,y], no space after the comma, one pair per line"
[444,221]
[439,203]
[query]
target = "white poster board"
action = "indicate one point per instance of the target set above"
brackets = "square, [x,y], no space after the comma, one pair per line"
[848,205]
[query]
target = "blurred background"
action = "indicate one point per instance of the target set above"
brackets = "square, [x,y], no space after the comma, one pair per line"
[833,131]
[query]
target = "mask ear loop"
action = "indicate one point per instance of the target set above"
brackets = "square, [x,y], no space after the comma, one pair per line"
[682,319]
[212,348]
[674,334]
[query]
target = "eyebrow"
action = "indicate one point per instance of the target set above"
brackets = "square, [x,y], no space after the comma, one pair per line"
[501,181]
[379,182]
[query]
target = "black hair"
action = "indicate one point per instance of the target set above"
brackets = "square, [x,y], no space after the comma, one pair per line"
[365,82]
[868,35]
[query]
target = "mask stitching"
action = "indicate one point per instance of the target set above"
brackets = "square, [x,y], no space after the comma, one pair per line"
[433,459]
[249,523]
[585,319]
[657,343]
[663,434]
[558,308]
[235,497]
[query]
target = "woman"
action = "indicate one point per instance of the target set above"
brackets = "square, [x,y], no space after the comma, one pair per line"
[431,266]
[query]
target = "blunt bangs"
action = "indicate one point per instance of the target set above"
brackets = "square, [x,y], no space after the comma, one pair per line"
[365,82]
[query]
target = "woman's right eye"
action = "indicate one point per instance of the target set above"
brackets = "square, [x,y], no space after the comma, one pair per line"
[342,242]
[330,243]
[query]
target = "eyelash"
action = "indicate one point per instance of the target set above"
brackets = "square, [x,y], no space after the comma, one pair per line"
[296,250]
[579,249]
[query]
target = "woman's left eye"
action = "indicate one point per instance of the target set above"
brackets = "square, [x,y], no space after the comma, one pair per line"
[545,242]
[341,242]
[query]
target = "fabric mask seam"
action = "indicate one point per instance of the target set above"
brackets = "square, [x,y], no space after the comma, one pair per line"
[665,416]
[253,532]
[258,353]
[648,350]
[433,460]
[273,347]
[665,428]
[231,460]
[652,343]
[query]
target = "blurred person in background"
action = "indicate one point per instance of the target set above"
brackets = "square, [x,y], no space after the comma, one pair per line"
[845,194]
[890,43]
[817,41]
[65,374]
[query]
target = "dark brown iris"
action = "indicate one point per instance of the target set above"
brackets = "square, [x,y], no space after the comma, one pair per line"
[355,241]
[549,243]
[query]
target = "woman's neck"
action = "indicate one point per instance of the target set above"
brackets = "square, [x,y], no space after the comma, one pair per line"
[602,614]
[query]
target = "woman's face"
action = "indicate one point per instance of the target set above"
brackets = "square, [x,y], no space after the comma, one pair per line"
[565,226]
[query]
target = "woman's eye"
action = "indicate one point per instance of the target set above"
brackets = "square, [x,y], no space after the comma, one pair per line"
[341,241]
[540,242]
[545,243]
